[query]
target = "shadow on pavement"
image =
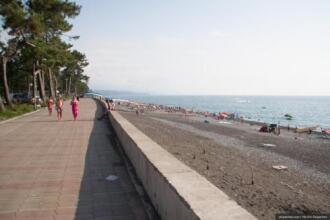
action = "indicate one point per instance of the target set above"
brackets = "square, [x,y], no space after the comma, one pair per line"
[100,198]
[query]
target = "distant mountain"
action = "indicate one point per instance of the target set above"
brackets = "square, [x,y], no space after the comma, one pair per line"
[119,93]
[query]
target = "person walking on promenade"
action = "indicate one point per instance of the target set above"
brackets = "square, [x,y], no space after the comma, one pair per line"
[74,104]
[59,107]
[50,104]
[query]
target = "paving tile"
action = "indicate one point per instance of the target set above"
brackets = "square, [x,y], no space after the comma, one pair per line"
[45,191]
[73,201]
[48,183]
[46,202]
[74,211]
[35,218]
[6,206]
[7,216]
[13,194]
[34,214]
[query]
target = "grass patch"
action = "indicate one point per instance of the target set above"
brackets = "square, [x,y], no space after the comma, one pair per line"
[16,111]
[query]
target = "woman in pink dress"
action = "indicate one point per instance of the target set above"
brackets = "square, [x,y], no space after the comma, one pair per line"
[74,104]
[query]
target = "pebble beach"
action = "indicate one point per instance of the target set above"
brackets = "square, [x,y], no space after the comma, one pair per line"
[239,160]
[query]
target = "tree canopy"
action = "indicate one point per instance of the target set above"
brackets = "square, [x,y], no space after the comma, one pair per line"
[34,44]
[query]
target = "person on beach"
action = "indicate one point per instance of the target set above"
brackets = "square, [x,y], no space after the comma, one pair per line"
[109,107]
[112,103]
[59,107]
[109,104]
[74,104]
[50,104]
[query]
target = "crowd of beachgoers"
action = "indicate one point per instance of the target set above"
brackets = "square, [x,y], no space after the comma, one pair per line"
[140,108]
[151,107]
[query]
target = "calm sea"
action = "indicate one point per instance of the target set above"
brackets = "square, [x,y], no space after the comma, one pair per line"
[306,111]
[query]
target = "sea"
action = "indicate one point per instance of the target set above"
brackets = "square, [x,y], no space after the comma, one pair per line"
[305,110]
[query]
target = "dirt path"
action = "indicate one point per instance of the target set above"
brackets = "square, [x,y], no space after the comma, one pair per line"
[231,158]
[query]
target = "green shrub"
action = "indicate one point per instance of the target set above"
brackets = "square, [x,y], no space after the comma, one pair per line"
[19,109]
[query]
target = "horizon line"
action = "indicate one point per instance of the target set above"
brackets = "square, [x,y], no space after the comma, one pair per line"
[171,94]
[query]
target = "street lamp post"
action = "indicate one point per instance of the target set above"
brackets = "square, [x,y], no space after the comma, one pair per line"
[34,77]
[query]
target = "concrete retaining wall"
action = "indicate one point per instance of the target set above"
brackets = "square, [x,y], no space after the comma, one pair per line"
[176,191]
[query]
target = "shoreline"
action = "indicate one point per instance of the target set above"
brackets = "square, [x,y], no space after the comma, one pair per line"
[141,106]
[161,108]
[264,111]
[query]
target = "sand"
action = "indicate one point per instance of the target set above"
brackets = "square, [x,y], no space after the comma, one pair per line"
[239,160]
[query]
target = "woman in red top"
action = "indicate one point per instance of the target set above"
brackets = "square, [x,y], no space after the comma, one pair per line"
[50,104]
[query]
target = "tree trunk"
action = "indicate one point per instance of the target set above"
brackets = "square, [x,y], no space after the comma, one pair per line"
[41,86]
[51,84]
[43,82]
[5,82]
[34,81]
[2,106]
[43,78]
[56,85]
[66,86]
[34,74]
[69,90]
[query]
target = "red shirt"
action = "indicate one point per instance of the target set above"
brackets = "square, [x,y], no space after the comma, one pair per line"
[50,103]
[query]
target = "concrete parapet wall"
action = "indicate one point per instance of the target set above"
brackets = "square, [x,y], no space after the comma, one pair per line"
[176,191]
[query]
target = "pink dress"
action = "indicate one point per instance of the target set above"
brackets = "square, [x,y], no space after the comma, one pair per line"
[75,109]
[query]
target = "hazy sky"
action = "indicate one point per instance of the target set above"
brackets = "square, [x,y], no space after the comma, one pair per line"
[247,47]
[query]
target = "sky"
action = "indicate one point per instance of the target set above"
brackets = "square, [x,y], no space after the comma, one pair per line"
[207,47]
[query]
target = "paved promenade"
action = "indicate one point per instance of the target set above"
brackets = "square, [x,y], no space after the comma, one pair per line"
[57,170]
